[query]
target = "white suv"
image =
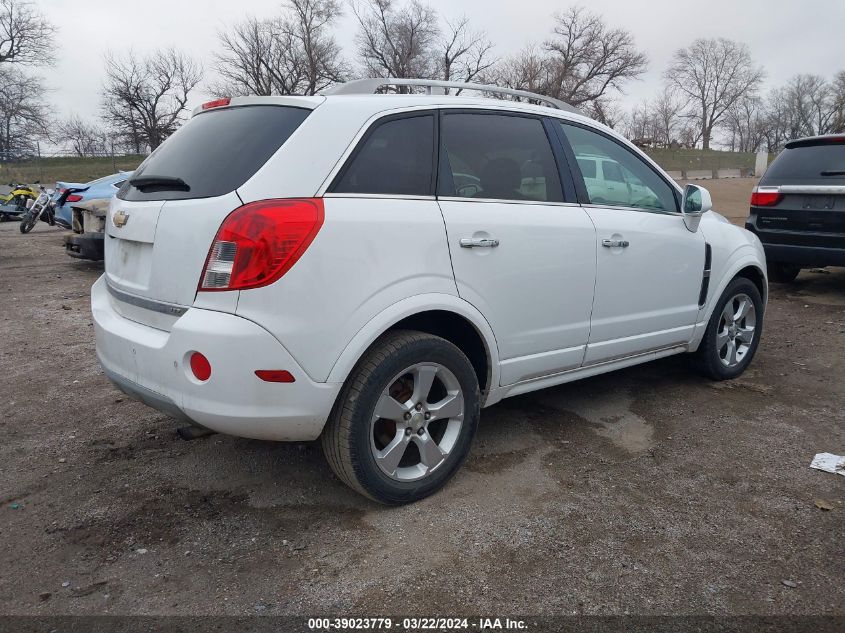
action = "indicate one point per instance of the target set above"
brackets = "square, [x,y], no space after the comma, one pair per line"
[374,269]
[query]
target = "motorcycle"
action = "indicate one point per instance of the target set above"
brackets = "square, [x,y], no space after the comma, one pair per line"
[42,208]
[13,200]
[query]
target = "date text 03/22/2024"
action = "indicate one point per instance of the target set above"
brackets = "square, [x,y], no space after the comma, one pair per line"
[417,624]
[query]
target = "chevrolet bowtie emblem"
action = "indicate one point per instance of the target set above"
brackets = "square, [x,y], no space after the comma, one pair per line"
[120,219]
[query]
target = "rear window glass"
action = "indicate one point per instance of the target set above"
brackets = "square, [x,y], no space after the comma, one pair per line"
[216,151]
[397,158]
[819,163]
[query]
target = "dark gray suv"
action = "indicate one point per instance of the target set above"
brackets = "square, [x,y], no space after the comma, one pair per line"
[798,208]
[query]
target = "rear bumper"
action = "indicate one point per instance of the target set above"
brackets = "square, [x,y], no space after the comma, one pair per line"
[805,255]
[85,246]
[152,366]
[798,248]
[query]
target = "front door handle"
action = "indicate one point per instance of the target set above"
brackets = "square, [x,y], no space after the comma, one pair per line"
[479,242]
[615,243]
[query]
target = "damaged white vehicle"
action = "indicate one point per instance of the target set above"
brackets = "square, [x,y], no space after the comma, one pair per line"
[373,269]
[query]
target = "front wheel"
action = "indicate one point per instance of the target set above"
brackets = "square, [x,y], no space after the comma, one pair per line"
[27,223]
[733,332]
[405,419]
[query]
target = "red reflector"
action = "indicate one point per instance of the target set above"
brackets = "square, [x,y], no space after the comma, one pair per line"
[275,375]
[765,198]
[259,242]
[200,366]
[73,198]
[217,103]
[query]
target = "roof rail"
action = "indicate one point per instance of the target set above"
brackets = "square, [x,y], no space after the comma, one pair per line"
[436,86]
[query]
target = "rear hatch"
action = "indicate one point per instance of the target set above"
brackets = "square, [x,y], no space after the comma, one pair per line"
[164,219]
[806,187]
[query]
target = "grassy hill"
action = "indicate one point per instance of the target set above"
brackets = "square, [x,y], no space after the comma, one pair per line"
[67,168]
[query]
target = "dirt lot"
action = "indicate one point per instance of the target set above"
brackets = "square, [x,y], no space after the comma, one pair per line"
[647,491]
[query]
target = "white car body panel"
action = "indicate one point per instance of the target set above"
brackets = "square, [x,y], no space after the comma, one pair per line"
[370,254]
[535,288]
[550,303]
[646,293]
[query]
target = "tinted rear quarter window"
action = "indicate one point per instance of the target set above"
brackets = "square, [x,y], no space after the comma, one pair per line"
[821,164]
[217,151]
[395,157]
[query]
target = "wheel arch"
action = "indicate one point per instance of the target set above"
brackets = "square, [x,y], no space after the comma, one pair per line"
[446,316]
[756,276]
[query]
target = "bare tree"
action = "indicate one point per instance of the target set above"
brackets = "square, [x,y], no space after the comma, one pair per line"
[252,56]
[838,88]
[309,28]
[588,58]
[463,54]
[745,124]
[81,137]
[26,36]
[584,62]
[397,41]
[527,70]
[147,97]
[23,115]
[811,105]
[666,118]
[294,53]
[713,75]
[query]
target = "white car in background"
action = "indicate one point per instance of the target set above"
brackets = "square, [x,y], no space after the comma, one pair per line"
[373,269]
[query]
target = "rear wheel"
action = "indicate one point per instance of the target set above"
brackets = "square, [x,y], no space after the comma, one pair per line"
[733,332]
[782,273]
[405,419]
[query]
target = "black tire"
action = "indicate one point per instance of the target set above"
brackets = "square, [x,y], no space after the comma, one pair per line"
[782,273]
[27,223]
[347,437]
[708,357]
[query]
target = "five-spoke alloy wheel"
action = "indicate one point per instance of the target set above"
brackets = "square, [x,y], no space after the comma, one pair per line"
[733,331]
[405,419]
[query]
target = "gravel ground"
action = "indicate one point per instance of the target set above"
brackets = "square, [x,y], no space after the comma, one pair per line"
[646,491]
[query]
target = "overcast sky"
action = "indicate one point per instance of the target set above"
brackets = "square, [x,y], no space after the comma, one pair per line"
[785,36]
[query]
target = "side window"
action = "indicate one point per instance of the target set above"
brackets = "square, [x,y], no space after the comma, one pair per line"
[396,157]
[625,181]
[588,167]
[498,157]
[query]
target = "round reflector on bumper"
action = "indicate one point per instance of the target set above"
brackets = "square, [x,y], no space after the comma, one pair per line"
[200,367]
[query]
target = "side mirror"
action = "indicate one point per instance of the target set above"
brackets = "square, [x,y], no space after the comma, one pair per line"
[695,203]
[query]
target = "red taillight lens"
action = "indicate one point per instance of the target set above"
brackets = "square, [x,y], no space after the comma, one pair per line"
[275,375]
[200,366]
[259,242]
[217,103]
[761,197]
[73,198]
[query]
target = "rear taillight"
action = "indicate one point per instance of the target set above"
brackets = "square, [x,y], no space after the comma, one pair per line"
[259,242]
[73,198]
[765,196]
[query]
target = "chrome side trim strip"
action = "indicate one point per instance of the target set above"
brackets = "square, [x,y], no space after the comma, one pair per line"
[148,304]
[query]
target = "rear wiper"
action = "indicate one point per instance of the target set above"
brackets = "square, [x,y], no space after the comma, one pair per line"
[161,183]
[834,172]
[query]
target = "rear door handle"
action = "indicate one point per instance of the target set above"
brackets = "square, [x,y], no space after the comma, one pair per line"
[615,243]
[479,242]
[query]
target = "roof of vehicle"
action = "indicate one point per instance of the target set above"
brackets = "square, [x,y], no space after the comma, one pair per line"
[823,139]
[383,102]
